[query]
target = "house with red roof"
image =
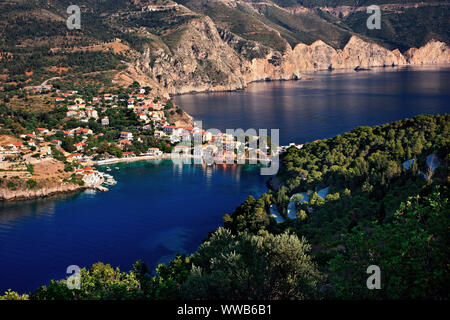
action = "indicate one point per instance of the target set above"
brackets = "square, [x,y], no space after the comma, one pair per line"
[126,135]
[80,146]
[57,143]
[74,157]
[42,130]
[16,146]
[128,154]
[123,142]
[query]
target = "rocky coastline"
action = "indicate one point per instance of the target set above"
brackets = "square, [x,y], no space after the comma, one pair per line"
[8,195]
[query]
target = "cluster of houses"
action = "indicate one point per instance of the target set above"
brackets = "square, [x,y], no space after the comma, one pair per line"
[81,110]
[150,113]
[39,144]
[144,106]
[30,142]
[90,176]
[219,147]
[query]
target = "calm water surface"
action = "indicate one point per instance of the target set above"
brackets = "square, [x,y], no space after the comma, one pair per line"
[327,105]
[158,209]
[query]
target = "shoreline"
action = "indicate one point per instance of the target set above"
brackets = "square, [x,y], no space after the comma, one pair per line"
[22,197]
[25,195]
[165,156]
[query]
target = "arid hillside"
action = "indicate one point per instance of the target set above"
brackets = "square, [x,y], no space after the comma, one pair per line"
[196,45]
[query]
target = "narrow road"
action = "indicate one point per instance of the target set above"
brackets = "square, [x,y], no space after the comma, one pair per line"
[45,82]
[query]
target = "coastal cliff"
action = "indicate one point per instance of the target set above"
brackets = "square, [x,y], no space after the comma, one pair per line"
[206,59]
[201,61]
[320,56]
[434,52]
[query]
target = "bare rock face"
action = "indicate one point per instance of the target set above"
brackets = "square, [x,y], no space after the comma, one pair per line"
[200,61]
[317,56]
[320,56]
[358,53]
[434,52]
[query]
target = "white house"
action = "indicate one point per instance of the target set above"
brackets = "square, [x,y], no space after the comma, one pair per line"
[126,135]
[182,149]
[154,152]
[79,146]
[105,121]
[143,117]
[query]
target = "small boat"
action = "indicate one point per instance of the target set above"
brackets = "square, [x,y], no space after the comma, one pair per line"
[117,168]
[108,169]
[110,182]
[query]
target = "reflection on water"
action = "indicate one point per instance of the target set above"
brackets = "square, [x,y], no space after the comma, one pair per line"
[159,208]
[329,104]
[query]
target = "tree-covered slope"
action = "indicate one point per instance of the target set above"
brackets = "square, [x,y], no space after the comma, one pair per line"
[377,179]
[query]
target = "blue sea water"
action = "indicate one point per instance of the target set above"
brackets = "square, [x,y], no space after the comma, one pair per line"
[158,208]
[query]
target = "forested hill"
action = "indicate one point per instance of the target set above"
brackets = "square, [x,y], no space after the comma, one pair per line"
[387,205]
[368,187]
[366,173]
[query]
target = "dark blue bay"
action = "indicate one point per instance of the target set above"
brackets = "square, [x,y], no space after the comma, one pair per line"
[326,105]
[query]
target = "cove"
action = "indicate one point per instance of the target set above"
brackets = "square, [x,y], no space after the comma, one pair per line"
[156,210]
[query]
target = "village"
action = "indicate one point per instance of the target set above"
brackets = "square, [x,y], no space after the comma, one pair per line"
[93,135]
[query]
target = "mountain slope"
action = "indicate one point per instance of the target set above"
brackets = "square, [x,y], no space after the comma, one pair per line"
[197,45]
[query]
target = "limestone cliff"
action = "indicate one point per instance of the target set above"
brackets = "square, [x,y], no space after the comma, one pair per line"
[434,52]
[320,56]
[200,61]
[22,194]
